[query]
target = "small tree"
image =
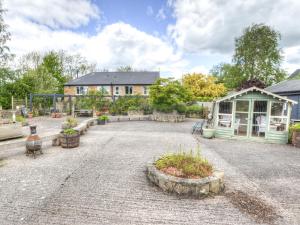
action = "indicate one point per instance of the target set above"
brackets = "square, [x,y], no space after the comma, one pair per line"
[203,85]
[167,95]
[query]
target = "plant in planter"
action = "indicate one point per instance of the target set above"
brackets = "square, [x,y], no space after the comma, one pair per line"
[69,138]
[295,135]
[186,174]
[22,120]
[102,120]
[70,122]
[185,165]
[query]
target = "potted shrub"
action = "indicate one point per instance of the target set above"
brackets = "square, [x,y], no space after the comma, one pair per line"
[295,129]
[69,138]
[71,122]
[102,120]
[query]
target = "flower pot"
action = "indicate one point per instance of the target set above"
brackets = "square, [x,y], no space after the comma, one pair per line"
[208,133]
[101,122]
[69,140]
[296,139]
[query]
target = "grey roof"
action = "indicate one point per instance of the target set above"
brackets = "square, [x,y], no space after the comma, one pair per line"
[116,78]
[286,86]
[295,74]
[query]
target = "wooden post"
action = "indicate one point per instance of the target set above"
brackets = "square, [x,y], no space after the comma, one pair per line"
[12,102]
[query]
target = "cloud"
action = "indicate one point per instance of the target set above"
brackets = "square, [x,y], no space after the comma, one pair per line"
[149,11]
[212,25]
[161,14]
[53,13]
[115,45]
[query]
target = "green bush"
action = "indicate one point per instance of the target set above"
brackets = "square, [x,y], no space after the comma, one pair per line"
[130,103]
[103,118]
[70,131]
[189,165]
[194,109]
[20,119]
[72,122]
[292,128]
[167,95]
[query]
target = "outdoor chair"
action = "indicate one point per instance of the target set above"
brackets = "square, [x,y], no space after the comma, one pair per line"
[237,126]
[261,121]
[198,126]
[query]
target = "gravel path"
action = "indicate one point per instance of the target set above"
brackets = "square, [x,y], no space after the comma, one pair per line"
[103,181]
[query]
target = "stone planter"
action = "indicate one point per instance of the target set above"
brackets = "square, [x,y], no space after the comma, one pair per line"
[167,117]
[101,122]
[198,188]
[69,140]
[296,139]
[208,133]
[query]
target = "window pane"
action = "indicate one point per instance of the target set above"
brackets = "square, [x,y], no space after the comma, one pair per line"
[279,109]
[225,107]
[260,106]
[242,106]
[259,124]
[278,124]
[224,121]
[241,118]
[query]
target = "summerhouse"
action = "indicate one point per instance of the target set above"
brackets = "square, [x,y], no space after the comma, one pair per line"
[254,114]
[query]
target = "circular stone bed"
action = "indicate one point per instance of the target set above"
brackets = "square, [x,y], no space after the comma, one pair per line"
[199,188]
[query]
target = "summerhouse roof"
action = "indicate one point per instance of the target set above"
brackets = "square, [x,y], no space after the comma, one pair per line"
[245,91]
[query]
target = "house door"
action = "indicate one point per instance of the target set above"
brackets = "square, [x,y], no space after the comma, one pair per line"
[242,118]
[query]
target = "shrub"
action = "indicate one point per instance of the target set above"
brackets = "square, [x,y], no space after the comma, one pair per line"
[194,109]
[292,128]
[130,103]
[103,118]
[70,131]
[167,95]
[20,119]
[71,121]
[187,165]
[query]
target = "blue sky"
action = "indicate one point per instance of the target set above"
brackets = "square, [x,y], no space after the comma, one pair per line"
[173,36]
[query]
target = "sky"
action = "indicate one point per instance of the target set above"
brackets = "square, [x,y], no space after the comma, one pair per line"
[170,36]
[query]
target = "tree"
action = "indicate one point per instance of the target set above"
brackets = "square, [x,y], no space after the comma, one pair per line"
[5,54]
[227,74]
[125,69]
[167,95]
[203,85]
[257,54]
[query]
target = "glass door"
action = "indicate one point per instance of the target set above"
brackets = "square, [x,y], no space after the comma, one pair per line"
[241,121]
[259,118]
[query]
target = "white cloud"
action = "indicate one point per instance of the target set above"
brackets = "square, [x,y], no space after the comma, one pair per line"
[53,13]
[161,14]
[149,11]
[212,25]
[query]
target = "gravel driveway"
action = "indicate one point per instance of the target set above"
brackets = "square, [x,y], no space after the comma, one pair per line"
[103,181]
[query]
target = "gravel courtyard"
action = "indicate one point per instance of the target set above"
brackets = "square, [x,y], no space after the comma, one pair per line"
[103,181]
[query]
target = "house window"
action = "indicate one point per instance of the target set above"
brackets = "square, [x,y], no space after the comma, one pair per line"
[81,90]
[146,90]
[278,117]
[117,90]
[225,114]
[128,90]
[103,89]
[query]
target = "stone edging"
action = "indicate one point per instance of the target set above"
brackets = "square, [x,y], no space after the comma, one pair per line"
[190,187]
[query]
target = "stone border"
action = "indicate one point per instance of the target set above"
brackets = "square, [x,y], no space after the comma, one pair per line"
[190,187]
[167,117]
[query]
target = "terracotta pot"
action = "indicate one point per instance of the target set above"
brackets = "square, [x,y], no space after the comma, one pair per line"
[30,115]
